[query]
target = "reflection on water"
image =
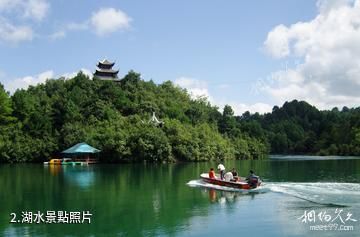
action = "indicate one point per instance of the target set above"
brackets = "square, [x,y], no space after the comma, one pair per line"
[82,176]
[225,197]
[54,169]
[221,197]
[22,231]
[212,195]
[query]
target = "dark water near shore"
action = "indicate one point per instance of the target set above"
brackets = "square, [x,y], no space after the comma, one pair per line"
[169,200]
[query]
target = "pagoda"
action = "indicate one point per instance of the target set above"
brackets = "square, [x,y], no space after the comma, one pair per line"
[104,71]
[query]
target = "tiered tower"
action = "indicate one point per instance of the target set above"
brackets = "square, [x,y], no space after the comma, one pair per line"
[104,71]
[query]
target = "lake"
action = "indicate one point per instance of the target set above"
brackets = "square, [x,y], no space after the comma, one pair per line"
[300,196]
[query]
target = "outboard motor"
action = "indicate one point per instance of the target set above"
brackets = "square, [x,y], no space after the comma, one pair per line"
[253,181]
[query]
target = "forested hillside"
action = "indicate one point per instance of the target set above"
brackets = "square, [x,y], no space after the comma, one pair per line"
[37,123]
[299,128]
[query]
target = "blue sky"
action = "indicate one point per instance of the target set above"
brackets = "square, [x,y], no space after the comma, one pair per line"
[227,50]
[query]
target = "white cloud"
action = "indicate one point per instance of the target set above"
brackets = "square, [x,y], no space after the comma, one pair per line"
[14,34]
[70,75]
[103,22]
[195,87]
[25,82]
[7,4]
[329,50]
[326,6]
[199,88]
[277,42]
[34,9]
[109,20]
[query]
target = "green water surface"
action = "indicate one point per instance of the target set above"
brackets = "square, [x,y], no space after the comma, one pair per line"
[156,200]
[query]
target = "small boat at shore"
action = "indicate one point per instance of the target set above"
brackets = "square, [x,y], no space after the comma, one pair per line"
[65,161]
[240,184]
[69,161]
[53,162]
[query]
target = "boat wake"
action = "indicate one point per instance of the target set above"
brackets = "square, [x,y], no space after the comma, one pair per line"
[330,194]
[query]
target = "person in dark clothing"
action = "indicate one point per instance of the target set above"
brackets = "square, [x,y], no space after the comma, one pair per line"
[252,179]
[233,171]
[235,174]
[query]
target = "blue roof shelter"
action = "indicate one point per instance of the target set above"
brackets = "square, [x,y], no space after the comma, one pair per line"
[81,148]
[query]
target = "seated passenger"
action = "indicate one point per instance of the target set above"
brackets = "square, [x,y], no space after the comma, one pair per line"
[235,174]
[228,176]
[252,179]
[212,174]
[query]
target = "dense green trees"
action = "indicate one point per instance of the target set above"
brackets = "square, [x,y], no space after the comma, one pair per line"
[299,128]
[5,106]
[39,122]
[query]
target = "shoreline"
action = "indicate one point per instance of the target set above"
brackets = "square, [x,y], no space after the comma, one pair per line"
[294,157]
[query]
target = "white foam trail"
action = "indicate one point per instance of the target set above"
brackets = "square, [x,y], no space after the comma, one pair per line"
[322,193]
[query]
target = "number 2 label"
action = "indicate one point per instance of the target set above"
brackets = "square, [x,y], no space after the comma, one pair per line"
[13,219]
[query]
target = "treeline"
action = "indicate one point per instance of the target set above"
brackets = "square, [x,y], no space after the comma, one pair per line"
[37,123]
[299,128]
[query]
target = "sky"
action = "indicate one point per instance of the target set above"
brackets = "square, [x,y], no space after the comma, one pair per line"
[251,55]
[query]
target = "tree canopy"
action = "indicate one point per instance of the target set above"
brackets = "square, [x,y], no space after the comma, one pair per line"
[299,128]
[42,120]
[38,122]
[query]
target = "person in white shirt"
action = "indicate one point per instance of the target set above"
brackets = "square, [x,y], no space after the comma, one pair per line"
[228,176]
[221,168]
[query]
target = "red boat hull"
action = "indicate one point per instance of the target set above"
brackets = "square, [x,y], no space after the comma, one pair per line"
[230,184]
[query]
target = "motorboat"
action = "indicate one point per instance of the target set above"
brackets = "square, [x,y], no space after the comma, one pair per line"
[239,183]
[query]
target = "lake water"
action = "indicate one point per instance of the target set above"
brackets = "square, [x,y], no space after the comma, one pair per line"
[170,200]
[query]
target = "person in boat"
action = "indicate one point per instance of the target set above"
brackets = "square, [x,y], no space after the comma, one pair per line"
[228,176]
[221,168]
[233,171]
[235,174]
[252,179]
[212,173]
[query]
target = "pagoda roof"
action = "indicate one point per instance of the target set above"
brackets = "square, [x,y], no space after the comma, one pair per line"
[107,71]
[107,78]
[106,62]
